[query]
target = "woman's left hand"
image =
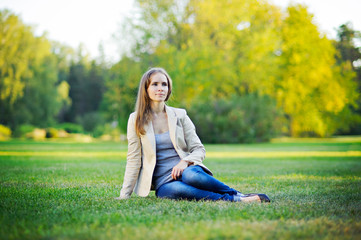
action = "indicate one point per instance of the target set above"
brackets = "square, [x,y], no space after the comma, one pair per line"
[178,169]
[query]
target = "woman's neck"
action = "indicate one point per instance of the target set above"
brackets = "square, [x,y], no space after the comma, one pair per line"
[157,107]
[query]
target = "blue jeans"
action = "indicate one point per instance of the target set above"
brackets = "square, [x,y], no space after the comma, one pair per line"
[195,184]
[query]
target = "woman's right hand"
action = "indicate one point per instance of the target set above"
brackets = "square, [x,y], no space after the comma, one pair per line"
[178,169]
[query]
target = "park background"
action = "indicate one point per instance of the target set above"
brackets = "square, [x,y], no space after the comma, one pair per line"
[246,71]
[273,97]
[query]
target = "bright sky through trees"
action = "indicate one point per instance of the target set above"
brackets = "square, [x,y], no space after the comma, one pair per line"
[92,22]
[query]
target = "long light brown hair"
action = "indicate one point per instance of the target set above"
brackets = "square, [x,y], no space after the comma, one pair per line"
[142,106]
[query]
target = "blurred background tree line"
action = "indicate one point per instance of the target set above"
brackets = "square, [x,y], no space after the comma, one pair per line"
[244,70]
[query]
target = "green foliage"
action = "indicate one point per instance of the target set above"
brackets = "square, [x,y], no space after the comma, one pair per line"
[63,95]
[313,91]
[214,50]
[16,53]
[39,104]
[250,118]
[108,131]
[5,133]
[77,80]
[51,133]
[70,127]
[22,130]
[36,134]
[349,60]
[87,85]
[122,85]
[52,190]
[90,121]
[346,44]
[28,75]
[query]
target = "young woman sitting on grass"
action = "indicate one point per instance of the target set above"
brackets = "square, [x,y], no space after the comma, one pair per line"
[165,153]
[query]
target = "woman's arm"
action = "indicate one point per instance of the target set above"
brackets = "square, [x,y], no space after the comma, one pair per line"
[134,161]
[194,147]
[194,144]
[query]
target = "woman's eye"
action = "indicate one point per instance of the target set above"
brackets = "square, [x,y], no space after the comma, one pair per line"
[164,84]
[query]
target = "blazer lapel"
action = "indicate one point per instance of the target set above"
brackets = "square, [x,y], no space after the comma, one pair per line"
[150,135]
[172,123]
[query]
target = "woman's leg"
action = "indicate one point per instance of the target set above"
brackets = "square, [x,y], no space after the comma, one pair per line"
[180,190]
[198,178]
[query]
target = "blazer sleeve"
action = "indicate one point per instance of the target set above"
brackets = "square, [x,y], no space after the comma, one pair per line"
[134,159]
[194,144]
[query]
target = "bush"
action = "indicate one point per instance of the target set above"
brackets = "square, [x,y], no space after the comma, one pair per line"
[107,132]
[51,133]
[5,133]
[90,121]
[36,134]
[24,129]
[100,130]
[245,119]
[62,133]
[70,127]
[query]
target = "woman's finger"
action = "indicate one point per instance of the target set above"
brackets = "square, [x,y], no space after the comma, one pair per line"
[179,173]
[174,174]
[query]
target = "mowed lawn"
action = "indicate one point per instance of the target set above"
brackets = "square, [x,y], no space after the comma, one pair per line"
[59,190]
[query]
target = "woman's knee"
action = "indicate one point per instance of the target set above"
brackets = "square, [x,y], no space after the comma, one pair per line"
[173,190]
[192,174]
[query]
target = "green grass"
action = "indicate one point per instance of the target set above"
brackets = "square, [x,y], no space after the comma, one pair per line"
[60,190]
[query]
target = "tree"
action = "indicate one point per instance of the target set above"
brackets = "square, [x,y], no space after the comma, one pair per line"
[87,85]
[95,86]
[346,37]
[202,47]
[121,85]
[78,91]
[216,50]
[312,90]
[211,49]
[349,61]
[28,75]
[40,102]
[16,41]
[64,56]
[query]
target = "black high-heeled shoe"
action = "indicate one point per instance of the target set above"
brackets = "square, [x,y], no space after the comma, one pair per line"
[264,197]
[250,197]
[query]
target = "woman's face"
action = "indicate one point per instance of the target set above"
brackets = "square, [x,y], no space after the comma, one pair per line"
[158,87]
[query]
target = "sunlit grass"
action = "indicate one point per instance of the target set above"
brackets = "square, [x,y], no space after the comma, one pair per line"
[315,178]
[282,154]
[337,139]
[66,154]
[58,190]
[209,154]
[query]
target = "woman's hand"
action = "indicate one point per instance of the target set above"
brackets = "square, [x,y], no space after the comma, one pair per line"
[178,169]
[122,198]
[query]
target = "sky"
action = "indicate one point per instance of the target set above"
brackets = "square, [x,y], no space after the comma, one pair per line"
[91,22]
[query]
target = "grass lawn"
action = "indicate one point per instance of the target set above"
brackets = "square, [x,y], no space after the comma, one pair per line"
[59,190]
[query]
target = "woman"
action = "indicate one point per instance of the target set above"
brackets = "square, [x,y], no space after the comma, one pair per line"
[165,153]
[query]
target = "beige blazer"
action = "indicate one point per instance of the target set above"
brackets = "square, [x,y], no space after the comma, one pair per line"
[141,158]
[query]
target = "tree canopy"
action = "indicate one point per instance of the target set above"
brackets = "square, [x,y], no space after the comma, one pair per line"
[244,69]
[218,50]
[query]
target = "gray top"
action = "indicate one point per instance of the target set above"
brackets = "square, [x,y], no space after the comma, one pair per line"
[167,158]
